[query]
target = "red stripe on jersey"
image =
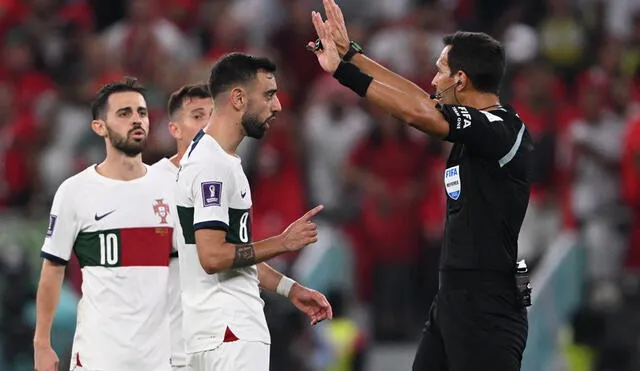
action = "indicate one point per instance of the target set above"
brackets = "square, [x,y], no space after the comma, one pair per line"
[149,246]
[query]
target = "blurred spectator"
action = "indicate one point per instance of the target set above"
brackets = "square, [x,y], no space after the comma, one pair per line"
[17,148]
[537,92]
[595,140]
[630,171]
[333,124]
[573,74]
[386,167]
[563,38]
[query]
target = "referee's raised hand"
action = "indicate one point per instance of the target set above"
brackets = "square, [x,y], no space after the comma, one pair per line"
[337,26]
[328,56]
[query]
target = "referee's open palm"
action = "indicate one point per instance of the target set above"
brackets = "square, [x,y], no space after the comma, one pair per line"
[328,56]
[302,232]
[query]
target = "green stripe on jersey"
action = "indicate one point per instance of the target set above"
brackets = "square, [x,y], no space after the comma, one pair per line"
[185,214]
[239,225]
[125,247]
[100,248]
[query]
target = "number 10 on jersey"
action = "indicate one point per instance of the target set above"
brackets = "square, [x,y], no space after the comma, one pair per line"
[108,249]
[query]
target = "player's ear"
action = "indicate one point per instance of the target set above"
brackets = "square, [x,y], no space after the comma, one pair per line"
[175,130]
[238,98]
[99,127]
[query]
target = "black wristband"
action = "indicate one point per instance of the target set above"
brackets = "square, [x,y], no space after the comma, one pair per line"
[350,76]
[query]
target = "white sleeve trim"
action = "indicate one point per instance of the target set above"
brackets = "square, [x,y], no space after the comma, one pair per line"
[492,117]
[512,152]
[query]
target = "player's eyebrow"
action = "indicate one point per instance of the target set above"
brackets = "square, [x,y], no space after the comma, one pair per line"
[124,110]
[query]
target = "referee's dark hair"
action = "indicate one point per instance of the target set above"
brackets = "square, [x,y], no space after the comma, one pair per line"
[178,97]
[236,68]
[478,55]
[100,102]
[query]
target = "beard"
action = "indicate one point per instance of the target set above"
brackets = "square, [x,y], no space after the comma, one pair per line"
[253,126]
[129,146]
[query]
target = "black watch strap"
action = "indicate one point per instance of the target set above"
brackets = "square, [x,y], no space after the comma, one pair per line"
[354,48]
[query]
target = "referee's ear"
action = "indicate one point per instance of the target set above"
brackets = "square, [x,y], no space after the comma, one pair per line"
[99,127]
[462,81]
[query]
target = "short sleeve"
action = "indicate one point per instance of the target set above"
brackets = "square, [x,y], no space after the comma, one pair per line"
[63,227]
[484,131]
[212,188]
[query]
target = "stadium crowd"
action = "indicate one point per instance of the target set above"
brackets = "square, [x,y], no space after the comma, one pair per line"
[573,74]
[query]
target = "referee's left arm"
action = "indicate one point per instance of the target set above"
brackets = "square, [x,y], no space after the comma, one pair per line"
[391,92]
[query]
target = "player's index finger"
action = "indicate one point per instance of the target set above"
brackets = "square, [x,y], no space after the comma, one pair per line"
[311,213]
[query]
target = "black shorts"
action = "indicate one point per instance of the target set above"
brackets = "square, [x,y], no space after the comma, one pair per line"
[471,330]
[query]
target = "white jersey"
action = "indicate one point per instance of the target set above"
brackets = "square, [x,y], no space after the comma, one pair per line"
[167,170]
[121,233]
[213,192]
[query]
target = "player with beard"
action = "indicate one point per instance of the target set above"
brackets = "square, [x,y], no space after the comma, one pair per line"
[114,216]
[221,267]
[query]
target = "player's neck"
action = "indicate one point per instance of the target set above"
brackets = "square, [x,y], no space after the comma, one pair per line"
[482,101]
[225,131]
[182,149]
[119,166]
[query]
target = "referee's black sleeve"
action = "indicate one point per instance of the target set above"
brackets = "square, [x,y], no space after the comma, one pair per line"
[492,135]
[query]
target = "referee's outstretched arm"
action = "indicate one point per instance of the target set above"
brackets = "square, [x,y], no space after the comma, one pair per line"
[393,93]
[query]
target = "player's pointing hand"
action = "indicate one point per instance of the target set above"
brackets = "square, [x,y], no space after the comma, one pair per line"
[302,232]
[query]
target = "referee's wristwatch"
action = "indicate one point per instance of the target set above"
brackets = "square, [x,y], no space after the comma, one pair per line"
[354,48]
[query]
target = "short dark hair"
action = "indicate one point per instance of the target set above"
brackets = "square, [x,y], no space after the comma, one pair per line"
[236,68]
[480,56]
[99,104]
[177,98]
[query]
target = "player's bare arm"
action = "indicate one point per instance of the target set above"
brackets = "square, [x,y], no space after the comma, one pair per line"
[309,301]
[48,296]
[396,95]
[217,255]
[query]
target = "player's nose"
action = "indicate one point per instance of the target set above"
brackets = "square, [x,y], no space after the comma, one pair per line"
[277,107]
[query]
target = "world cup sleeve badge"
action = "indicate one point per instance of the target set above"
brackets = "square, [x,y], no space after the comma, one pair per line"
[452,182]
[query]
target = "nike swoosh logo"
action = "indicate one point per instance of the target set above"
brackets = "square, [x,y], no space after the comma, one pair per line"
[242,194]
[98,217]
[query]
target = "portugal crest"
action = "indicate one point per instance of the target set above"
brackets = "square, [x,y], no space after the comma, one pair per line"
[162,210]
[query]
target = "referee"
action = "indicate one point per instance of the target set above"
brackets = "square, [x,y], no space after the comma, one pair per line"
[478,320]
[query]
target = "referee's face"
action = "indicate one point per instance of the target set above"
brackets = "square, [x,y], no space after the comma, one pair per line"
[443,79]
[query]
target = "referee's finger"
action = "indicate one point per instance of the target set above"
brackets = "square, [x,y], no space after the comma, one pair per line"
[338,11]
[329,10]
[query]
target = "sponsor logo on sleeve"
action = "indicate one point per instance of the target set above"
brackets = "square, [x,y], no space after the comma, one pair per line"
[463,117]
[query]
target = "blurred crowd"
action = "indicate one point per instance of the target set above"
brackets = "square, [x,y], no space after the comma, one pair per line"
[573,75]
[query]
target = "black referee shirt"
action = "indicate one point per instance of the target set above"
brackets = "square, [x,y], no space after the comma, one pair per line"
[487,186]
